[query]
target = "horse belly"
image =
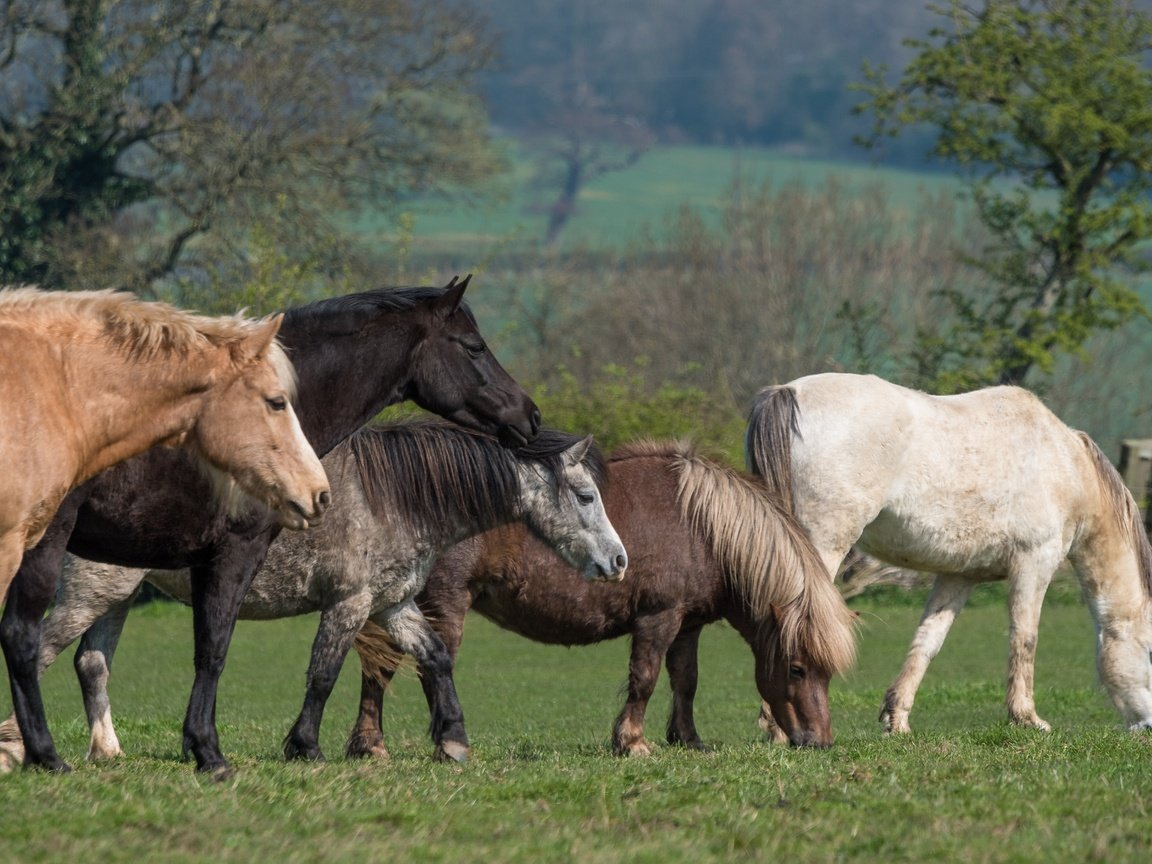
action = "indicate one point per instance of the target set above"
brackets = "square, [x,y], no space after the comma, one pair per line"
[553,618]
[979,548]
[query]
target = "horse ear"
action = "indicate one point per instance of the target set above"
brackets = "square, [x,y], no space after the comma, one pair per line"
[576,453]
[263,335]
[452,297]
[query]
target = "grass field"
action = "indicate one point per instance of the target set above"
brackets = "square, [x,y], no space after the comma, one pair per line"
[615,208]
[541,785]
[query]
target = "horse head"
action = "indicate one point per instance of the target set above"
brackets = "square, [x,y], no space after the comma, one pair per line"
[248,431]
[456,376]
[566,509]
[794,686]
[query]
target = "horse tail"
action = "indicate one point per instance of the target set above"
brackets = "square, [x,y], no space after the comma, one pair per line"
[378,654]
[768,560]
[772,424]
[1125,510]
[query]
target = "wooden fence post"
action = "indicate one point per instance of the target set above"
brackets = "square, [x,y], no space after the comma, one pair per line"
[1136,469]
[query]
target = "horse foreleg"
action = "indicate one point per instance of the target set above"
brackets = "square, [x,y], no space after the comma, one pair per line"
[949,594]
[682,675]
[20,633]
[339,624]
[1026,590]
[651,639]
[217,592]
[412,634]
[28,598]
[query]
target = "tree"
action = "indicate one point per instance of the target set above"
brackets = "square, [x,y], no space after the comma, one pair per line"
[140,140]
[1046,106]
[581,144]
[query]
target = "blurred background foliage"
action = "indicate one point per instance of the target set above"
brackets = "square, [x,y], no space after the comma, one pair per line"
[665,203]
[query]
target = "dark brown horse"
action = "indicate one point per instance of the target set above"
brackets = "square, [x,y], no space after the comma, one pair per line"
[704,543]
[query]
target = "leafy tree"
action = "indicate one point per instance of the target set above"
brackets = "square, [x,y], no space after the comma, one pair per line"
[1046,106]
[140,140]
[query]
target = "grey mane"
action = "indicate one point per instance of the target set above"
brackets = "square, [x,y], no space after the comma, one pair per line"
[438,473]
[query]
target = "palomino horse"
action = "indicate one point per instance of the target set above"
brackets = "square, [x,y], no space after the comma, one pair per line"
[704,542]
[975,487]
[353,355]
[403,494]
[90,378]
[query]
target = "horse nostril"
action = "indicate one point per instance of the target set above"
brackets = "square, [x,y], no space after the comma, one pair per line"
[621,562]
[323,500]
[535,418]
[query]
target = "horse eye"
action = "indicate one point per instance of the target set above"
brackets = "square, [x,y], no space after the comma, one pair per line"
[585,498]
[277,403]
[797,672]
[475,351]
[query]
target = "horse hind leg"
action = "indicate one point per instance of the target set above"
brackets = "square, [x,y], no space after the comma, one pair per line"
[366,740]
[379,660]
[443,606]
[93,665]
[683,671]
[949,594]
[411,633]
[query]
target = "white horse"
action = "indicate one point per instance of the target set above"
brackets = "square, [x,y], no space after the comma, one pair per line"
[975,487]
[402,494]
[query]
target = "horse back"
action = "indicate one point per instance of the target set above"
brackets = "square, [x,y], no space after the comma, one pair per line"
[520,584]
[935,482]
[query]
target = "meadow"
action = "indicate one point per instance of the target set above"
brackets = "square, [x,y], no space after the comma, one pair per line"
[542,786]
[618,208]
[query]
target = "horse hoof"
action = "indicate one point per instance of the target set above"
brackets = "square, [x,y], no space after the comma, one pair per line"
[366,747]
[221,773]
[1033,723]
[379,751]
[1139,726]
[52,766]
[100,755]
[893,725]
[304,754]
[452,751]
[640,749]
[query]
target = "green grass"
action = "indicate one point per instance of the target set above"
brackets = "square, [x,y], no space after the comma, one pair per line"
[541,785]
[615,208]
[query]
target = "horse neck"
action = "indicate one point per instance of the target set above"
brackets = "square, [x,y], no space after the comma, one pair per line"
[346,377]
[128,405]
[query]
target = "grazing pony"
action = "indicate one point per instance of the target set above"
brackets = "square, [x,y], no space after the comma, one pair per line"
[704,542]
[975,487]
[353,356]
[402,494]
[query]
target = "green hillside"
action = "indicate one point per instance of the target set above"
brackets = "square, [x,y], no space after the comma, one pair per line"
[616,208]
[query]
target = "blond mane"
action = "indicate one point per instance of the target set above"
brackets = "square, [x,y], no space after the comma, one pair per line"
[766,555]
[145,330]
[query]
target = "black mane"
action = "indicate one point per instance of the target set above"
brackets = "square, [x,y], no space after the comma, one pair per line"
[444,474]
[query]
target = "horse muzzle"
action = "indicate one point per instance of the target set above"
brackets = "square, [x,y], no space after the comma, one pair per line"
[297,516]
[611,571]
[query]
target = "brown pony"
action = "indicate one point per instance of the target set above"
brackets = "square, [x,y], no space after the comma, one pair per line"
[90,378]
[704,542]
